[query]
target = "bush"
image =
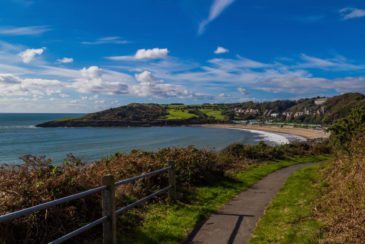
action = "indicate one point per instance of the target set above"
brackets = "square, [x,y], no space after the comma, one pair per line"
[345,129]
[193,166]
[38,180]
[262,151]
[342,205]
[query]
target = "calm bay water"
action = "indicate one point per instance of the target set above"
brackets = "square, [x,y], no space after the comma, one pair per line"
[18,137]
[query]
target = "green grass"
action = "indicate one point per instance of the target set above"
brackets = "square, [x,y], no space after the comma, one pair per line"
[289,218]
[217,114]
[65,119]
[175,106]
[178,114]
[165,223]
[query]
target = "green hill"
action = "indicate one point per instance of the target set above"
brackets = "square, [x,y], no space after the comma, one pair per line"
[139,114]
[318,110]
[341,106]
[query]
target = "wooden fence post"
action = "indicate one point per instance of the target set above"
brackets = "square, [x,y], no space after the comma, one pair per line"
[172,182]
[108,207]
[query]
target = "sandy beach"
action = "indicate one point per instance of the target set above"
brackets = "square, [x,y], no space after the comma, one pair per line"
[302,132]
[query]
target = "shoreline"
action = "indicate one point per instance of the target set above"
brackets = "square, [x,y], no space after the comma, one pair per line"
[309,134]
[274,137]
[270,134]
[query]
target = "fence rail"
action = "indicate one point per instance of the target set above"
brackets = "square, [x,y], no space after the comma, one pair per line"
[109,212]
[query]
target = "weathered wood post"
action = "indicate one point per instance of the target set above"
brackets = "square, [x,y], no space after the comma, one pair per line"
[108,207]
[172,182]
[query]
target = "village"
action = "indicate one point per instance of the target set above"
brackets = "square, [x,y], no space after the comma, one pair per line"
[317,109]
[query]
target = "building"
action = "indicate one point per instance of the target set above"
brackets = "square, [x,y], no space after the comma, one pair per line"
[320,101]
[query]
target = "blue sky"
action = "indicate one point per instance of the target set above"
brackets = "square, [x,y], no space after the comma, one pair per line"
[83,56]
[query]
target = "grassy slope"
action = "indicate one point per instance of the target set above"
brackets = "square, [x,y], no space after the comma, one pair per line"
[289,218]
[66,119]
[217,114]
[172,223]
[177,114]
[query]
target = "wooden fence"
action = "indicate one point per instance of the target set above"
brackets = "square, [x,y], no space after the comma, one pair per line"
[109,212]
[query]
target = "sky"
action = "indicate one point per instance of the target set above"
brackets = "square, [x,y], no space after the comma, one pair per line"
[85,56]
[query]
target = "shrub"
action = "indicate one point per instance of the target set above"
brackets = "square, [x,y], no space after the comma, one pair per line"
[345,129]
[261,151]
[38,180]
[193,166]
[342,205]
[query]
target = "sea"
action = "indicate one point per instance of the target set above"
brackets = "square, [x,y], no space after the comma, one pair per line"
[19,136]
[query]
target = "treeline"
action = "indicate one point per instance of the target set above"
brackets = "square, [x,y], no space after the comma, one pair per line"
[39,180]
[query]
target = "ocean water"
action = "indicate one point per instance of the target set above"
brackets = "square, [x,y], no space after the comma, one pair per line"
[19,136]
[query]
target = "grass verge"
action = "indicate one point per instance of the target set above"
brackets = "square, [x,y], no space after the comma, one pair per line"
[289,217]
[163,223]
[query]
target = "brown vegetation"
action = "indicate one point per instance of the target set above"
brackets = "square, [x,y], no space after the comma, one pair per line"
[38,180]
[341,209]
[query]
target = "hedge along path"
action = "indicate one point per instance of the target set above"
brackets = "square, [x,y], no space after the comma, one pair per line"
[235,221]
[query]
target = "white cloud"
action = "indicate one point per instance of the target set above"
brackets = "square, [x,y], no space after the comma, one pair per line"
[106,40]
[9,79]
[151,53]
[169,78]
[216,9]
[243,91]
[64,95]
[65,60]
[221,50]
[28,55]
[150,86]
[316,62]
[291,79]
[352,13]
[306,85]
[337,63]
[10,62]
[154,53]
[92,72]
[96,80]
[56,71]
[24,30]
[350,84]
[11,85]
[237,64]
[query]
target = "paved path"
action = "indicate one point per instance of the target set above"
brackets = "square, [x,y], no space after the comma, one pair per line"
[235,222]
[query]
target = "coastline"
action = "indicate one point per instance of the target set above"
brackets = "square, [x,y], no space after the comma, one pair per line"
[309,134]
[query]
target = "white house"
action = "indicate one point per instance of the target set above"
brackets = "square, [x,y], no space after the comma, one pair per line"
[320,101]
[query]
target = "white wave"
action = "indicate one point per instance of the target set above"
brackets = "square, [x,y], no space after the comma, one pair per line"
[294,137]
[277,138]
[17,127]
[269,136]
